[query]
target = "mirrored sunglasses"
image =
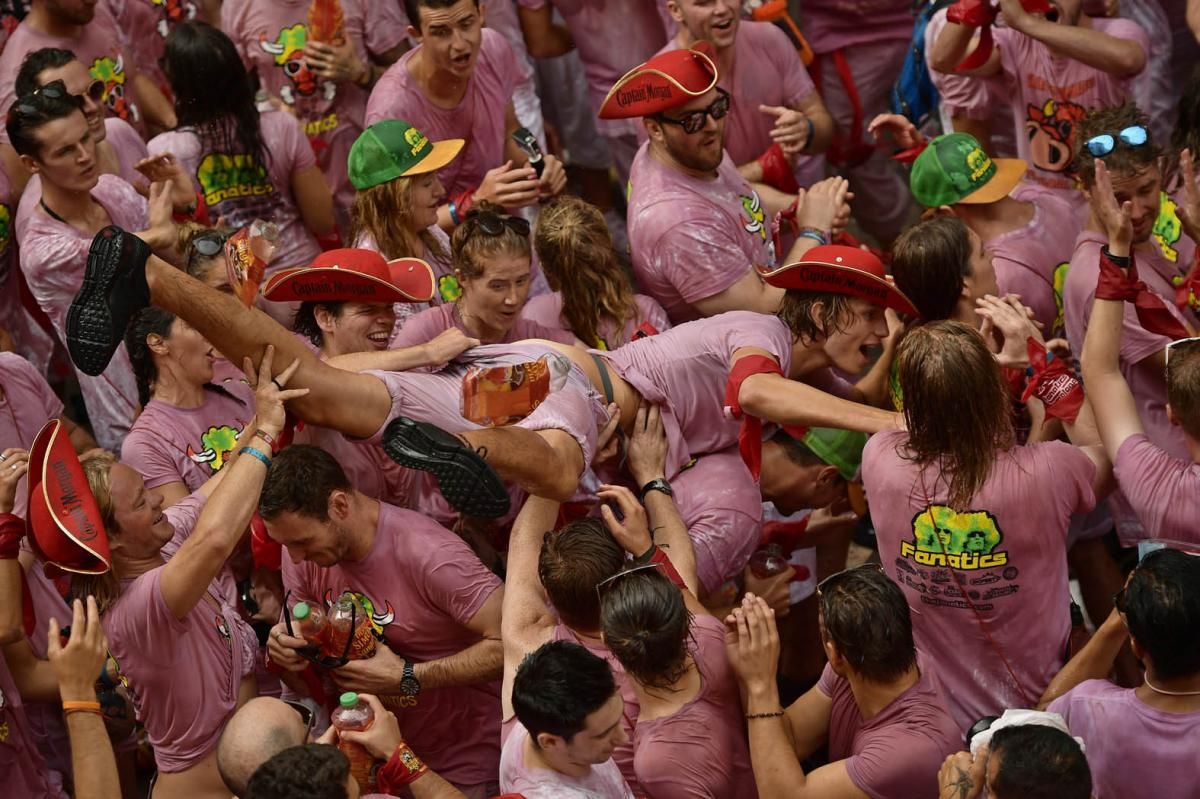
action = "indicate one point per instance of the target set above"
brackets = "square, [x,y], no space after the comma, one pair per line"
[1105,143]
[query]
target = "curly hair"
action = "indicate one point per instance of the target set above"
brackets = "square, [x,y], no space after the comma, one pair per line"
[470,251]
[799,311]
[385,213]
[1124,159]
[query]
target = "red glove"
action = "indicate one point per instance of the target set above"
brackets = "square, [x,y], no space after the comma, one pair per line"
[776,171]
[1052,382]
[1152,312]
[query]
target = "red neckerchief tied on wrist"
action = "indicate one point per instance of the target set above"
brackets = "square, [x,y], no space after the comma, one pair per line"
[1052,382]
[776,171]
[981,14]
[1120,286]
[402,768]
[750,436]
[1187,288]
[12,530]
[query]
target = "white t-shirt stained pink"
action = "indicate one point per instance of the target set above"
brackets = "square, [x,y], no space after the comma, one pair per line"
[23,768]
[1164,491]
[836,24]
[26,403]
[602,782]
[546,311]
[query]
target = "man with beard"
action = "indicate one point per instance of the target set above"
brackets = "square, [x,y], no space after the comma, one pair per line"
[698,230]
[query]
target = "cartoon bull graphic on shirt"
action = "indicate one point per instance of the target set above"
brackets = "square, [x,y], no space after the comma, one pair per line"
[173,12]
[378,620]
[112,72]
[288,52]
[1051,132]
[218,442]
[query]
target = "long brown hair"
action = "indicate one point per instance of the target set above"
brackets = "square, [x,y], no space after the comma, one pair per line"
[384,212]
[106,588]
[944,364]
[575,250]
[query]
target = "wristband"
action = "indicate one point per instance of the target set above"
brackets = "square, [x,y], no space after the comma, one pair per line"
[12,530]
[402,768]
[454,217]
[89,705]
[463,202]
[1052,383]
[774,715]
[816,234]
[257,454]
[811,131]
[1152,312]
[660,559]
[265,437]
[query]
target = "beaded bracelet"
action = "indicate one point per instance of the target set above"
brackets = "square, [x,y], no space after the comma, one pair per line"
[774,715]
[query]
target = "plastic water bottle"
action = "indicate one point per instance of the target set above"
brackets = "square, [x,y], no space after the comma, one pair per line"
[348,608]
[311,624]
[768,561]
[355,714]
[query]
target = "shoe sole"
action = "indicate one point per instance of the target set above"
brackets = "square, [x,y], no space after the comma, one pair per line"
[465,479]
[90,335]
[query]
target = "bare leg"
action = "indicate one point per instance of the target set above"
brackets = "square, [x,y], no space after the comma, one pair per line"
[546,463]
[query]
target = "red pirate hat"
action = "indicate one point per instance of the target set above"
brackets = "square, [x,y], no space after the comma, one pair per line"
[64,523]
[838,269]
[666,81]
[353,275]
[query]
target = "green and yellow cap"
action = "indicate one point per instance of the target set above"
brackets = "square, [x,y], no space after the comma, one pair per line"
[954,169]
[393,149]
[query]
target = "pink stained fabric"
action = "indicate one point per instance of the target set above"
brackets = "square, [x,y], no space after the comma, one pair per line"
[721,505]
[1131,745]
[46,722]
[1012,539]
[896,753]
[229,193]
[761,49]
[26,403]
[129,146]
[53,256]
[693,238]
[835,24]
[422,585]
[99,47]
[1049,95]
[270,35]
[1162,489]
[546,311]
[603,781]
[479,117]
[369,469]
[31,340]
[23,768]
[169,444]
[426,325]
[685,371]
[701,749]
[146,24]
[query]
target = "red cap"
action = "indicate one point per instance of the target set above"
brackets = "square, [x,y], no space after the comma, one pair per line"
[64,522]
[666,81]
[837,269]
[353,275]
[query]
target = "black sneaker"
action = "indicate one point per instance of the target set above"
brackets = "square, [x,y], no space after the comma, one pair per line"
[114,289]
[465,479]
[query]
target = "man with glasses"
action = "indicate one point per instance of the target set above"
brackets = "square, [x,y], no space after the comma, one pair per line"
[879,707]
[698,231]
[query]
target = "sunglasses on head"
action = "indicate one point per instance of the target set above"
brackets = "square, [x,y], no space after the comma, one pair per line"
[493,224]
[30,104]
[313,654]
[1105,143]
[306,714]
[607,583]
[693,121]
[208,244]
[832,580]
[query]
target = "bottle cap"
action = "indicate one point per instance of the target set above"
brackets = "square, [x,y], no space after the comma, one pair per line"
[302,611]
[348,699]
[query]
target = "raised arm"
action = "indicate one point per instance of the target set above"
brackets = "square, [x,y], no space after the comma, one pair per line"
[444,347]
[1111,54]
[14,463]
[543,38]
[956,42]
[1093,662]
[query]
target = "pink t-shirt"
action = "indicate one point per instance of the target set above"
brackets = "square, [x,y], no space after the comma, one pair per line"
[1163,490]
[896,753]
[602,782]
[169,444]
[99,47]
[701,749]
[835,24]
[146,24]
[31,340]
[479,117]
[426,325]
[53,256]
[130,148]
[1131,745]
[1010,546]
[26,403]
[233,187]
[271,34]
[23,768]
[422,584]
[685,370]
[693,238]
[546,311]
[1052,94]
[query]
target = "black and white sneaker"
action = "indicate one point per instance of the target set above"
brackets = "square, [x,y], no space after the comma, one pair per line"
[114,289]
[465,479]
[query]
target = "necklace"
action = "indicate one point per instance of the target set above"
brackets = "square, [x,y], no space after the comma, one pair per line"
[1158,690]
[53,215]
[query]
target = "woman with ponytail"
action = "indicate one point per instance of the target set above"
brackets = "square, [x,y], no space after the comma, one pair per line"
[195,404]
[593,297]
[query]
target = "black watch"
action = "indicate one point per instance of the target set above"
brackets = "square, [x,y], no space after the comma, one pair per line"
[657,484]
[409,684]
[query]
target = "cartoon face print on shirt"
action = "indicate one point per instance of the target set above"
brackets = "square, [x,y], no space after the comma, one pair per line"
[288,51]
[1167,228]
[1051,132]
[754,221]
[955,560]
[173,12]
[112,72]
[215,445]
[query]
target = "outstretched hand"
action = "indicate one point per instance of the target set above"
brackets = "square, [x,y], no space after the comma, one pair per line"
[903,132]
[77,664]
[960,777]
[1007,326]
[269,391]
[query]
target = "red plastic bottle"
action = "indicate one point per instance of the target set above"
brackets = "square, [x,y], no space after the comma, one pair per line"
[355,714]
[363,645]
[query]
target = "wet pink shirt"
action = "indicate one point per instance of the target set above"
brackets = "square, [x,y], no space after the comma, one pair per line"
[546,311]
[26,403]
[835,24]
[30,339]
[896,753]
[47,726]
[426,325]
[701,749]
[479,117]
[146,24]
[693,238]
[1011,544]
[1131,745]
[1162,489]
[271,34]
[423,584]
[129,146]
[229,193]
[22,766]
[1052,94]
[604,781]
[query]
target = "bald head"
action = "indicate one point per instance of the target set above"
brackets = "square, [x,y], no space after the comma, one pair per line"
[259,730]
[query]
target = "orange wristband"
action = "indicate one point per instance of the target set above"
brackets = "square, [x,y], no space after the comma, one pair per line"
[91,705]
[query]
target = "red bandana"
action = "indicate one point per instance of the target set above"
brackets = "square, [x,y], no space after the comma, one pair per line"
[1152,312]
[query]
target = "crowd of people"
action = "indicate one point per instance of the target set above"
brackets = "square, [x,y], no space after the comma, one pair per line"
[670,399]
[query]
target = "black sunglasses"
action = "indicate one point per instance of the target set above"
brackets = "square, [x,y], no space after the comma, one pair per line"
[208,244]
[493,224]
[313,654]
[306,714]
[693,121]
[30,104]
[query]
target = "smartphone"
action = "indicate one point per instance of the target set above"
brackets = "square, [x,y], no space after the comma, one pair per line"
[529,145]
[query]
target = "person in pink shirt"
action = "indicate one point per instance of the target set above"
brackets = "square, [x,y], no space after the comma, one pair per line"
[879,707]
[147,26]
[593,299]
[1160,486]
[457,84]
[322,76]
[1062,65]
[1141,736]
[435,609]
[973,527]
[1020,760]
[25,333]
[776,126]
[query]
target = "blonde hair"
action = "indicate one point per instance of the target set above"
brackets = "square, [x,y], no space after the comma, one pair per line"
[384,212]
[575,250]
[106,588]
